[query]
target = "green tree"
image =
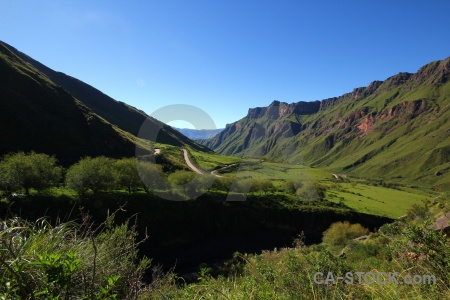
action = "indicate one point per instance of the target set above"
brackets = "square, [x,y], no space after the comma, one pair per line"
[244,185]
[223,183]
[151,176]
[291,186]
[181,177]
[266,186]
[28,171]
[180,180]
[311,191]
[95,174]
[128,174]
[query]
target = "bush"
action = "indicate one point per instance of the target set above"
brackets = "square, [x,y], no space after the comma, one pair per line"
[340,233]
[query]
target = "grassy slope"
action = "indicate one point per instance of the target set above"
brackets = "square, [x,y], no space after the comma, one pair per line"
[124,116]
[36,114]
[359,195]
[410,145]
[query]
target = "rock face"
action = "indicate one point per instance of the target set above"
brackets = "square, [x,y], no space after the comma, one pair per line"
[279,109]
[360,128]
[442,223]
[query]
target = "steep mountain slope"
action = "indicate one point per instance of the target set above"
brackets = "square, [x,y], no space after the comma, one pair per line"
[115,112]
[199,134]
[397,128]
[36,114]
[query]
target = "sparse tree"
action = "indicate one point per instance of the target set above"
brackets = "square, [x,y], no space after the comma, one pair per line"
[223,183]
[266,186]
[150,175]
[28,171]
[128,174]
[291,186]
[244,185]
[95,174]
[311,191]
[181,177]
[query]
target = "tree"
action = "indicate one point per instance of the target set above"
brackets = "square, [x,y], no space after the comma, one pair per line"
[95,174]
[28,171]
[128,174]
[223,183]
[266,186]
[180,181]
[311,191]
[244,185]
[291,186]
[150,175]
[181,177]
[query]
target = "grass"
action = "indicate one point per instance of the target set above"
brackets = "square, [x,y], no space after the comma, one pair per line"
[281,171]
[376,200]
[209,161]
[361,195]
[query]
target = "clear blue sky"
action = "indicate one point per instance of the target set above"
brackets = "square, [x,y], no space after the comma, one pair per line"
[227,56]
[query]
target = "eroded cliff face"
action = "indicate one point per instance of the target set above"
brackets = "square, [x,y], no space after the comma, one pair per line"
[365,119]
[279,109]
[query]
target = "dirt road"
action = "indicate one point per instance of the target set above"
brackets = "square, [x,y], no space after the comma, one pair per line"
[188,162]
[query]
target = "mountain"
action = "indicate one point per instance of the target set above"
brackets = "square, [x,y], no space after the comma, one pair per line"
[199,134]
[36,114]
[122,115]
[396,128]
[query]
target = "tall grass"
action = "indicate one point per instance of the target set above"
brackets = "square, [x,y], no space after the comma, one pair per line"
[69,260]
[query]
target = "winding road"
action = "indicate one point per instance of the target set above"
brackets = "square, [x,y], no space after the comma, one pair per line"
[189,163]
[196,170]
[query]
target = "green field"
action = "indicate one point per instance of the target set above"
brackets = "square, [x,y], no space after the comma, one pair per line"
[209,161]
[376,200]
[359,195]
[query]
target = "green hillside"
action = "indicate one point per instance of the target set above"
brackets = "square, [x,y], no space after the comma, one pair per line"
[120,114]
[395,129]
[36,114]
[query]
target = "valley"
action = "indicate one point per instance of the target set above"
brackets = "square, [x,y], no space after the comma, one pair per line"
[253,204]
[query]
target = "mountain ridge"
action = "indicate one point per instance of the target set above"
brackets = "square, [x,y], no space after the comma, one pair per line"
[124,116]
[37,115]
[374,126]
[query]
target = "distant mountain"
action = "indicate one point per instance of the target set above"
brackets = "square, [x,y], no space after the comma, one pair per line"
[397,128]
[122,115]
[199,134]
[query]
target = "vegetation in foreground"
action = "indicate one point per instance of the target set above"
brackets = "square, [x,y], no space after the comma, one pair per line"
[69,260]
[80,261]
[407,246]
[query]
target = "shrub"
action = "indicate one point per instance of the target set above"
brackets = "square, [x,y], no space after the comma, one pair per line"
[340,233]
